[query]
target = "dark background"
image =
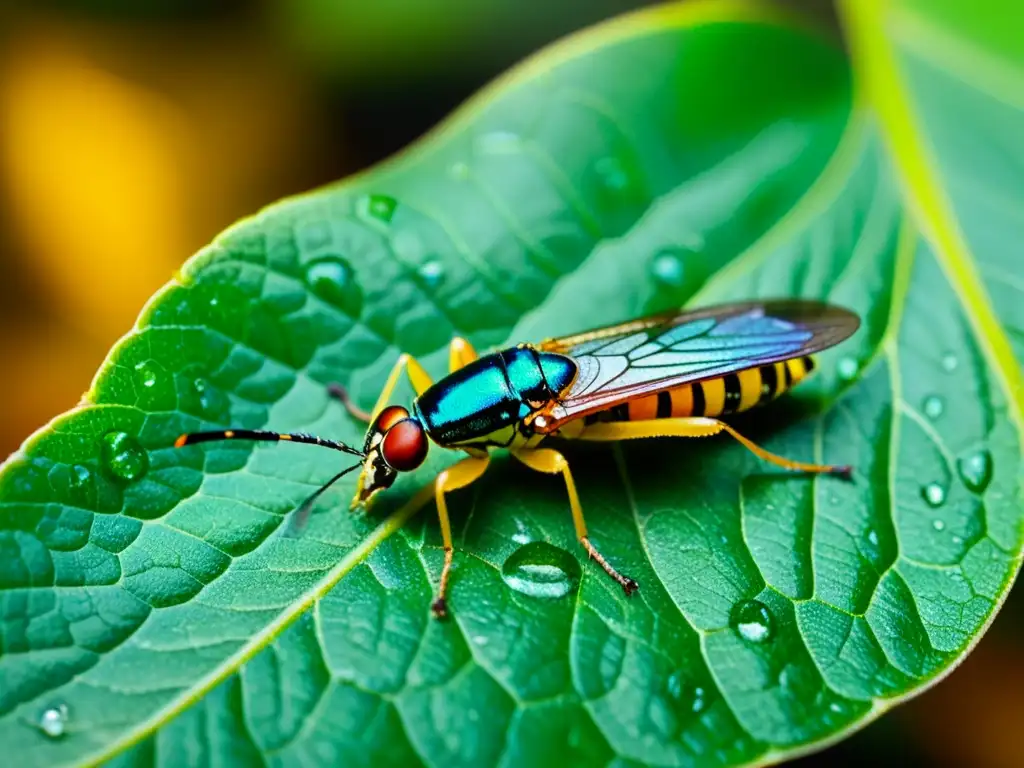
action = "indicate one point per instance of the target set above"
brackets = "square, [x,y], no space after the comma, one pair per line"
[131,132]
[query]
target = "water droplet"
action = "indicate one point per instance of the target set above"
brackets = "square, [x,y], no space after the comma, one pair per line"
[976,470]
[539,569]
[612,173]
[333,280]
[949,363]
[149,372]
[212,401]
[676,685]
[753,621]
[54,720]
[123,457]
[378,207]
[432,273]
[667,269]
[700,700]
[939,525]
[933,494]
[459,170]
[933,406]
[80,478]
[847,368]
[873,537]
[957,540]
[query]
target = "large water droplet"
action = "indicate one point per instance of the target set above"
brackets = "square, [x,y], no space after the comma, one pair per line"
[667,269]
[539,569]
[847,368]
[976,470]
[377,207]
[123,457]
[333,280]
[933,406]
[149,372]
[53,721]
[949,363]
[933,494]
[432,273]
[753,621]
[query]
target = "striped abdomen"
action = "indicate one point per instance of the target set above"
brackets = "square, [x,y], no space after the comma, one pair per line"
[732,393]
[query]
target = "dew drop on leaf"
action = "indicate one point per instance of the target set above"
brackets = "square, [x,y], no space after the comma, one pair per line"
[123,457]
[873,537]
[380,208]
[933,406]
[80,478]
[212,401]
[976,470]
[753,621]
[53,721]
[333,280]
[667,269]
[949,363]
[847,368]
[539,569]
[938,525]
[149,372]
[432,273]
[933,494]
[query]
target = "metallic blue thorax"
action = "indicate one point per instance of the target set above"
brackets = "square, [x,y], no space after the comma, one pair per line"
[492,395]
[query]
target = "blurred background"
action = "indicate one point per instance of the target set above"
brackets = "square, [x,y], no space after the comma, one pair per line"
[131,132]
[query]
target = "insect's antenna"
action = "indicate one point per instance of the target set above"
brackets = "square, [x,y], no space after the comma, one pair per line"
[264,436]
[303,510]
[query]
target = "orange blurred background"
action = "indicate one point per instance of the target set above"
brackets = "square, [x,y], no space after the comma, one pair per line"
[132,132]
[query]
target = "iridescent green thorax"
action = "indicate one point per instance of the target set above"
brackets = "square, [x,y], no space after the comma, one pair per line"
[486,401]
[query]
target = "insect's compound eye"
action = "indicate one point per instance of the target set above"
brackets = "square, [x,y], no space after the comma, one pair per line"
[384,421]
[405,445]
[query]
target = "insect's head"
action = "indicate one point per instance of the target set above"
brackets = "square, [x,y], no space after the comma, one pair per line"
[395,442]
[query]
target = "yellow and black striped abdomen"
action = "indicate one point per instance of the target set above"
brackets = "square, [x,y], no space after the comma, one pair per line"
[727,394]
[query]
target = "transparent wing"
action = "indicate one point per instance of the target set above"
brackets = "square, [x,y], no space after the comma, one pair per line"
[664,351]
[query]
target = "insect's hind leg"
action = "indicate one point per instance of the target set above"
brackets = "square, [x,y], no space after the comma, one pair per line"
[551,462]
[701,426]
[460,352]
[456,476]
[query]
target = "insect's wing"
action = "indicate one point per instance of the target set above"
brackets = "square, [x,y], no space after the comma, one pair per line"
[664,351]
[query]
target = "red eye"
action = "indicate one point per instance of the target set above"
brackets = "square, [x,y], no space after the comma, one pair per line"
[405,445]
[389,417]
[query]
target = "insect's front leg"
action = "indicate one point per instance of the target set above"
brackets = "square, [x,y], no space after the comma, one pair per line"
[460,353]
[551,462]
[456,476]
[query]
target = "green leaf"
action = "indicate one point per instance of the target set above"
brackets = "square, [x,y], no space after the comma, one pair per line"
[153,606]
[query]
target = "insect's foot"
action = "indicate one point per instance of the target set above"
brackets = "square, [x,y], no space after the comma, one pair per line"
[845,472]
[629,586]
[439,608]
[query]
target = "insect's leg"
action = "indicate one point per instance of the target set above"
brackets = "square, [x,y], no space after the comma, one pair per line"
[456,476]
[553,463]
[700,426]
[460,353]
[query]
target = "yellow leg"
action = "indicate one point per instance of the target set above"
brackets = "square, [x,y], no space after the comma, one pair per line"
[699,426]
[553,463]
[460,352]
[456,476]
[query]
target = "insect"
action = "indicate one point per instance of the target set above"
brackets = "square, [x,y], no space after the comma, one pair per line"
[668,375]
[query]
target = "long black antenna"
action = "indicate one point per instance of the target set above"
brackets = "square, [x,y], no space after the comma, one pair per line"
[265,436]
[303,510]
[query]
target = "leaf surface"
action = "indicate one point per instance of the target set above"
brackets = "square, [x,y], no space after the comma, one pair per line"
[651,162]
